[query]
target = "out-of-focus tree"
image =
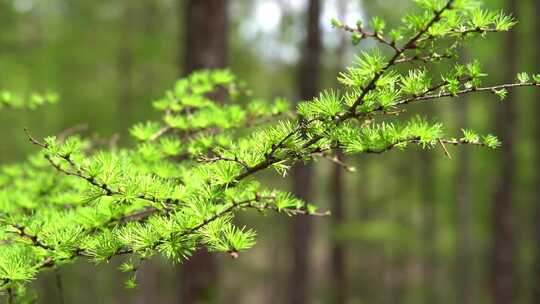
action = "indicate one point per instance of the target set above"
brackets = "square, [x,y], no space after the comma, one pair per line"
[337,195]
[503,276]
[204,37]
[464,211]
[147,13]
[205,33]
[126,62]
[308,83]
[428,199]
[535,297]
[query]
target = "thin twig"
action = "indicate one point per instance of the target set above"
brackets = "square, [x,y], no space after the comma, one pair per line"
[206,159]
[21,231]
[490,89]
[444,148]
[335,159]
[411,44]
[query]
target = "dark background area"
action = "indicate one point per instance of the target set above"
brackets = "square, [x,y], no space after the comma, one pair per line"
[407,227]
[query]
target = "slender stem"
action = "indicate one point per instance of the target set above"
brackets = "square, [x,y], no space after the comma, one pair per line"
[80,173]
[467,91]
[398,53]
[351,112]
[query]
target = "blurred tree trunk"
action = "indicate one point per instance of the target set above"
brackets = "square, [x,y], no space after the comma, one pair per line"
[536,271]
[148,278]
[503,251]
[339,279]
[47,291]
[125,63]
[464,250]
[125,79]
[464,277]
[429,226]
[205,43]
[429,258]
[152,23]
[337,180]
[148,283]
[308,81]
[205,34]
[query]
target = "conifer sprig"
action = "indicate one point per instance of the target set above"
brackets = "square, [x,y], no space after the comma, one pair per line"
[181,185]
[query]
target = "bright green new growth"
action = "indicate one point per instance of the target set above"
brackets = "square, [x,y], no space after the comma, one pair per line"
[16,101]
[181,185]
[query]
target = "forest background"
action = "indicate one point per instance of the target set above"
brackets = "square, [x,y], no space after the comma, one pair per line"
[407,227]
